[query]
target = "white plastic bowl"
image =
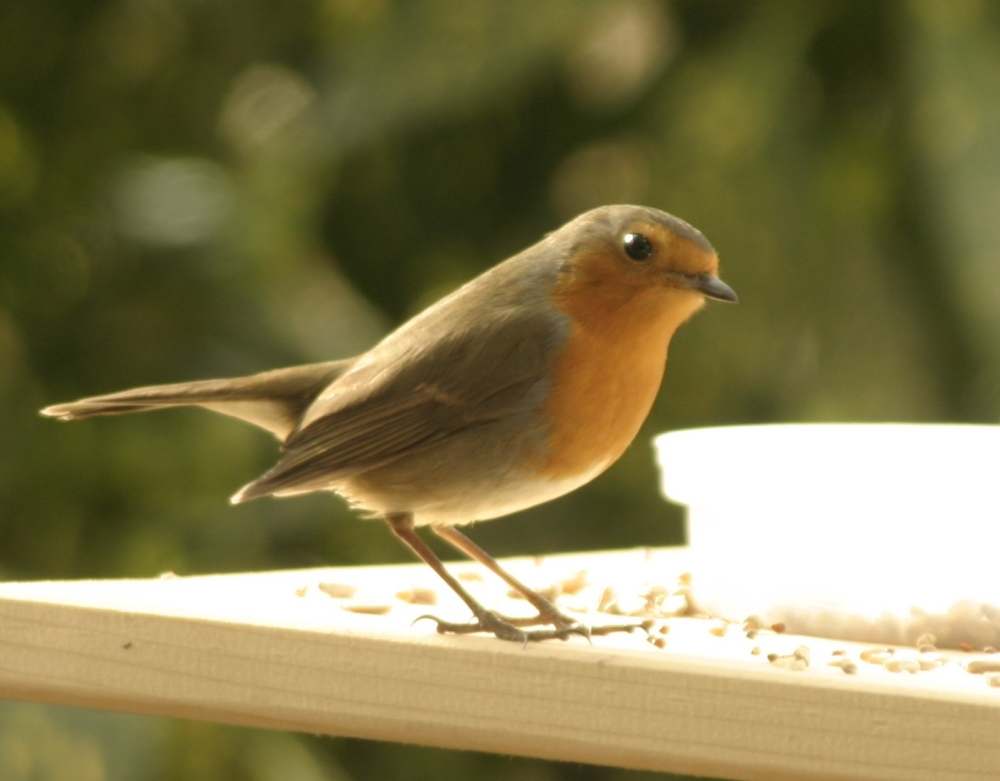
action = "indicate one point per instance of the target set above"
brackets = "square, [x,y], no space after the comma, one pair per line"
[874,519]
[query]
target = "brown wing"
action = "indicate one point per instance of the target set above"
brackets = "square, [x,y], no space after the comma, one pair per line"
[410,394]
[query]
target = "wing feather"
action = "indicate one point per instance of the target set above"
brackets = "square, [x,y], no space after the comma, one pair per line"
[402,401]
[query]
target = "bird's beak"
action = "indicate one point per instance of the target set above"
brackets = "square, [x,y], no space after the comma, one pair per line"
[713,287]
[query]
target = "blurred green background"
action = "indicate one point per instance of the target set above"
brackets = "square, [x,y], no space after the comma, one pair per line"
[198,188]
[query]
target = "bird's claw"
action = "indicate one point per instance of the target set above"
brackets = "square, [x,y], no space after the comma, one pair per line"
[506,628]
[498,626]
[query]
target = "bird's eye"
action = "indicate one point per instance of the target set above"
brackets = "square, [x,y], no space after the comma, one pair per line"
[637,246]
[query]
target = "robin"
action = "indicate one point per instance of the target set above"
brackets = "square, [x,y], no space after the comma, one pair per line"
[522,385]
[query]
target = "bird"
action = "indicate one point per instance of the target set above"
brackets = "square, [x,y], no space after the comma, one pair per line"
[520,386]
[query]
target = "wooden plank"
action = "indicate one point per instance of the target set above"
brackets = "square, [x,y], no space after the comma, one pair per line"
[274,650]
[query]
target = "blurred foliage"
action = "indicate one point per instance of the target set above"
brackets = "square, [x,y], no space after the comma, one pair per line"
[193,189]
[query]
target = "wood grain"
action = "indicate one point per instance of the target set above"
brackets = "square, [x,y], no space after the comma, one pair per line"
[273,650]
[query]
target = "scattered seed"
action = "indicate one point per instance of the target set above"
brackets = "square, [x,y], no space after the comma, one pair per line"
[930,660]
[575,584]
[368,610]
[876,655]
[752,626]
[798,660]
[539,561]
[980,666]
[993,679]
[664,629]
[685,578]
[338,590]
[301,591]
[838,652]
[418,596]
[551,593]
[608,598]
[127,645]
[753,622]
[966,646]
[719,631]
[989,650]
[755,651]
[470,576]
[847,665]
[654,597]
[778,627]
[659,642]
[911,666]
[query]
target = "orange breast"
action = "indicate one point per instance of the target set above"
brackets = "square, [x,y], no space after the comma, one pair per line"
[610,371]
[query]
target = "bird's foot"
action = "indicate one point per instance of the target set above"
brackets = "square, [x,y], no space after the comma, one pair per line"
[506,628]
[548,613]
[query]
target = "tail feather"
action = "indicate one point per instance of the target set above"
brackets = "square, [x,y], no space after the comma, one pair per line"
[273,400]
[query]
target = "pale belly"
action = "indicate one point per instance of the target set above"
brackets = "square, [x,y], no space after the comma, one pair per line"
[440,489]
[503,500]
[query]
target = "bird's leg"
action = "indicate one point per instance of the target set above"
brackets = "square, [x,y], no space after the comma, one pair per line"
[486,620]
[548,613]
